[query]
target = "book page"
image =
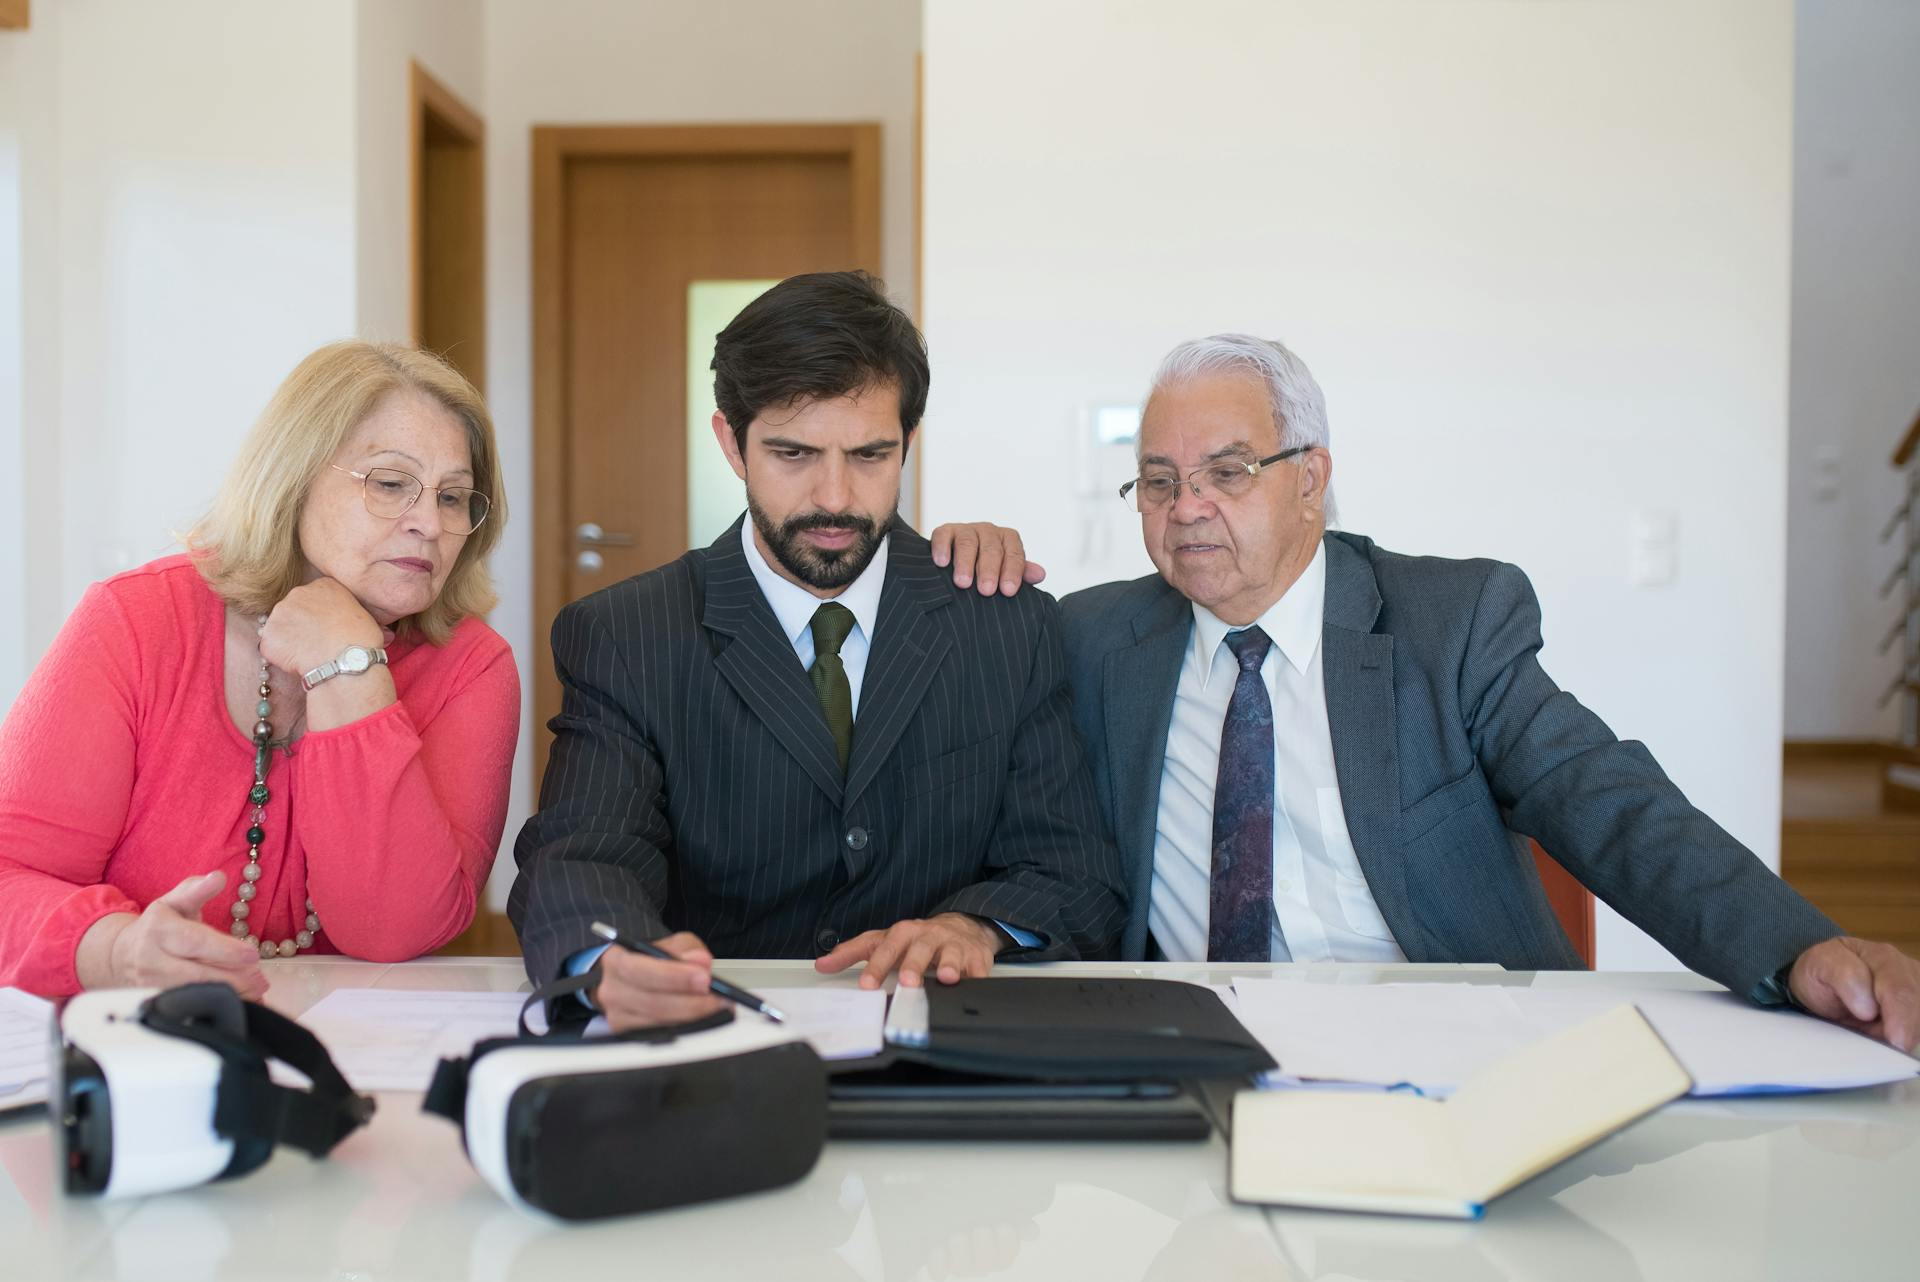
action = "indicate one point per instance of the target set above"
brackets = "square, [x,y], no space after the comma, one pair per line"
[1290,1144]
[1554,1097]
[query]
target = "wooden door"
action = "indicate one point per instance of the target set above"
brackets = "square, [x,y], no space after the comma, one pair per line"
[626,220]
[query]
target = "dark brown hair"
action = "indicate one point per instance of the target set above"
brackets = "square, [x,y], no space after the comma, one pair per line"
[816,337]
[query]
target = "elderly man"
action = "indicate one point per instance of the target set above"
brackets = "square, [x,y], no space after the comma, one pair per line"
[1308,747]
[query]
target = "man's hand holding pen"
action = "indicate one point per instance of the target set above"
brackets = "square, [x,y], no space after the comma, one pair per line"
[637,991]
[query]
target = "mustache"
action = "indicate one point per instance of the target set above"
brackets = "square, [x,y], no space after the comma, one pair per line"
[862,525]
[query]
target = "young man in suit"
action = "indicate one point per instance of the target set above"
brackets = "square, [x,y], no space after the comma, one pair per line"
[1309,747]
[805,740]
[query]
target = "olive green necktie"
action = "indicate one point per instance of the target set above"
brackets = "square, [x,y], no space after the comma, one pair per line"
[831,624]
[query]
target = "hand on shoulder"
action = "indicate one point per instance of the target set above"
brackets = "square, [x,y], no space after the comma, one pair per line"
[990,554]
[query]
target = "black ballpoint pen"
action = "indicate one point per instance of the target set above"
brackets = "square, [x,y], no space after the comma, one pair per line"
[717,986]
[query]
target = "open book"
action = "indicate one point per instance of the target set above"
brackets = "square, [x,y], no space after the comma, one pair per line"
[1413,1156]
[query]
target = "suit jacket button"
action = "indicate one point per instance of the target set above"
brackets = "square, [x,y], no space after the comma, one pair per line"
[828,940]
[856,839]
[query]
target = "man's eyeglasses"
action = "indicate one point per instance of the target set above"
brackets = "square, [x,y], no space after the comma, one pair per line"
[389,492]
[1225,478]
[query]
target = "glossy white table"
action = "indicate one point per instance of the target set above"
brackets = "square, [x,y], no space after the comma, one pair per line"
[1788,1188]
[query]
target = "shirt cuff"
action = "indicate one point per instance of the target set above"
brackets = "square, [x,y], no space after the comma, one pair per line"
[1024,938]
[582,962]
[1774,989]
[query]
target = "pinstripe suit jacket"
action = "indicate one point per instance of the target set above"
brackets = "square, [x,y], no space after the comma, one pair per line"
[693,784]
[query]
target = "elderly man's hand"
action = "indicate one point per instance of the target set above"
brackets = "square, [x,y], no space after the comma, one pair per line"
[1868,987]
[991,553]
[948,947]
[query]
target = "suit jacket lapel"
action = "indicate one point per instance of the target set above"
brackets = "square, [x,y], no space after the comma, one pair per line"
[759,663]
[1358,670]
[907,647]
[1139,682]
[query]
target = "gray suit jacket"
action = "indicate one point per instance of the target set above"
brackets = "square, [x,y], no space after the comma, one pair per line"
[1450,742]
[693,783]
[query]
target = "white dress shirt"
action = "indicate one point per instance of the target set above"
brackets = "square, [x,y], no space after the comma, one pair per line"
[1322,907]
[794,607]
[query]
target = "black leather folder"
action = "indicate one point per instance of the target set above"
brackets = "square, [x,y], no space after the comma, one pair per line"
[1049,1058]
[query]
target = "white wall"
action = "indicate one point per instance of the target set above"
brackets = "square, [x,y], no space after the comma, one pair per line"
[21,53]
[666,61]
[1856,352]
[444,37]
[189,201]
[205,191]
[1537,255]
[29,401]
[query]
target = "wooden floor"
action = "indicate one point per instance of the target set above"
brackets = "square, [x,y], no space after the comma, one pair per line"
[1857,860]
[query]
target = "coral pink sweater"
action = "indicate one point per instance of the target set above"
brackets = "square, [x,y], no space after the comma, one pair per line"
[121,774]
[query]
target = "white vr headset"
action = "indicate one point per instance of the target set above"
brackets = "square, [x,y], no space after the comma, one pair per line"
[582,1129]
[162,1090]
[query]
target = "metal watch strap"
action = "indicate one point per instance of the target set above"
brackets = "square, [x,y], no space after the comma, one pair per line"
[331,668]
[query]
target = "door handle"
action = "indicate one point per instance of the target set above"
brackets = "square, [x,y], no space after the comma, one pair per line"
[590,535]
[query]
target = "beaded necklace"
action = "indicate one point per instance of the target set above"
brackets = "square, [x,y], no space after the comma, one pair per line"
[263,745]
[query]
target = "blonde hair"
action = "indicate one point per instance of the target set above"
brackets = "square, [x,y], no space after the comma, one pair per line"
[247,546]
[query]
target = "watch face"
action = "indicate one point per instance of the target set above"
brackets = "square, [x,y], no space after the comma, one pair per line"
[355,659]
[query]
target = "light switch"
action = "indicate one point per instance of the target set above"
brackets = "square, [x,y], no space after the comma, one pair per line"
[1655,550]
[1826,475]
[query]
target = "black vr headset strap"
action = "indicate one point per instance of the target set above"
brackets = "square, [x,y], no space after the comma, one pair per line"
[311,1121]
[447,1092]
[566,986]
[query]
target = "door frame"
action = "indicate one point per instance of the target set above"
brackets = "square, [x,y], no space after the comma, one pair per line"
[554,146]
[432,105]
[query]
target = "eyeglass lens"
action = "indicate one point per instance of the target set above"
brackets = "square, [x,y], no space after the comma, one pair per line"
[390,493]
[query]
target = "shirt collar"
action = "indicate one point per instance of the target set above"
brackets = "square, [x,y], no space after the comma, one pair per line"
[1293,622]
[794,606]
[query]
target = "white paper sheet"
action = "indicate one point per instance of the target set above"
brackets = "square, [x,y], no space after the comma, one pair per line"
[391,1040]
[1432,1037]
[26,1039]
[1732,1047]
[1429,1036]
[841,1023]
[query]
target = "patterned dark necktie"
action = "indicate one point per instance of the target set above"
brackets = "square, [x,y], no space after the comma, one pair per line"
[831,624]
[1239,924]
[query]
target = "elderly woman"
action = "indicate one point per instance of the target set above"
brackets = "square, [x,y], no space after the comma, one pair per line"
[295,736]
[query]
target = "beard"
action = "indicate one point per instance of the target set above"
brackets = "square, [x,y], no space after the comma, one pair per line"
[823,568]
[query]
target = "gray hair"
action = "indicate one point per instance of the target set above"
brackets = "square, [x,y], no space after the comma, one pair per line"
[1299,407]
